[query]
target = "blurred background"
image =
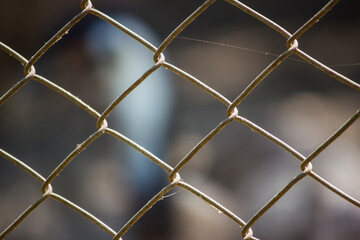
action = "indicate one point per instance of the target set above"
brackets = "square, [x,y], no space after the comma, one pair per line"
[239,168]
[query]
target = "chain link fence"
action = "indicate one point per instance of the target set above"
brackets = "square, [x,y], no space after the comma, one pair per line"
[231,116]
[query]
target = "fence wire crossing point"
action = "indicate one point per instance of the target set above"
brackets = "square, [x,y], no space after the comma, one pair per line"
[232,116]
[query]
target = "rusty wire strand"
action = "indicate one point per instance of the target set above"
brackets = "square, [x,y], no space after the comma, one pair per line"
[311,22]
[299,156]
[140,149]
[56,38]
[287,35]
[26,213]
[83,212]
[197,82]
[212,202]
[124,29]
[261,77]
[22,165]
[328,70]
[146,207]
[123,95]
[181,27]
[17,86]
[79,148]
[331,139]
[276,198]
[198,146]
[53,195]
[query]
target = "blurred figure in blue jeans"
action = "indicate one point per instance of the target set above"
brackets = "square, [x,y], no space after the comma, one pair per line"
[144,115]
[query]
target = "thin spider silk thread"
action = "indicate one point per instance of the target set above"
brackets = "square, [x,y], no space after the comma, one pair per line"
[259,51]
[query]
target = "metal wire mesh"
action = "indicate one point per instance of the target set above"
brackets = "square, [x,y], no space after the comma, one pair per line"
[174,172]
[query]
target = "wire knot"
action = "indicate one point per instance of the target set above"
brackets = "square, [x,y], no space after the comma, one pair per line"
[85,4]
[47,189]
[233,114]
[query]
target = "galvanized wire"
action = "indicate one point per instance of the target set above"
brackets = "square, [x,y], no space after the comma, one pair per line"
[174,172]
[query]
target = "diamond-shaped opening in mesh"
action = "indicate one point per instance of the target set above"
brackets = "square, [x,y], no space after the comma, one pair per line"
[195,219]
[18,190]
[315,209]
[42,125]
[53,220]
